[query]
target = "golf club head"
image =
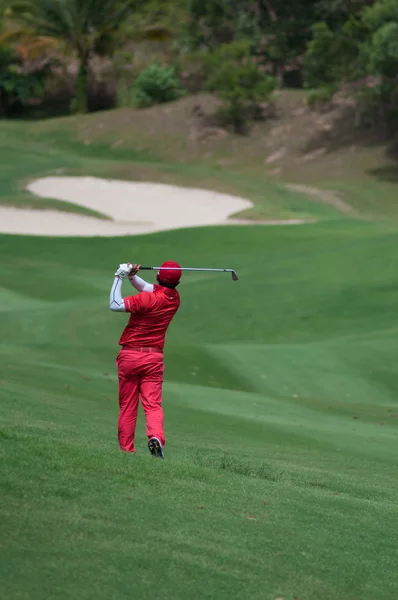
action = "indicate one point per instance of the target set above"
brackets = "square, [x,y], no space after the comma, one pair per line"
[235,276]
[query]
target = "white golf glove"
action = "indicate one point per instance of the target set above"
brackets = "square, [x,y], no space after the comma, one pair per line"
[123,270]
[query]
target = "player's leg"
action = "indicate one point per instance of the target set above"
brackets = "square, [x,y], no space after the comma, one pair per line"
[129,383]
[151,397]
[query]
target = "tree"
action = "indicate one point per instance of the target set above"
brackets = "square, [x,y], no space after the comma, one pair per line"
[361,52]
[211,22]
[235,76]
[277,29]
[336,12]
[17,87]
[82,27]
[382,54]
[381,13]
[334,57]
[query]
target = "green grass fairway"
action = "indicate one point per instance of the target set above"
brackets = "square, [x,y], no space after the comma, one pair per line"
[280,478]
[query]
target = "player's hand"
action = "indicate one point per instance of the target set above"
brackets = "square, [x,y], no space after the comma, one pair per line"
[123,270]
[134,270]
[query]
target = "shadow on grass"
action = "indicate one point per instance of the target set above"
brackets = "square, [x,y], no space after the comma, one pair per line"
[388,173]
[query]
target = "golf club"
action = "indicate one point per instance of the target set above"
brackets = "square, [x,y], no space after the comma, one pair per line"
[233,273]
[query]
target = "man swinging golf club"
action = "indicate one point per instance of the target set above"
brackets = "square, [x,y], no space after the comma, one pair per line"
[140,360]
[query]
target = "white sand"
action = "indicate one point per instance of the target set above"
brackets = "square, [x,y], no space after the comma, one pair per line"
[134,207]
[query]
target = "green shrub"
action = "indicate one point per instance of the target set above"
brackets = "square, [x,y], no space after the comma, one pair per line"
[156,85]
[19,90]
[237,79]
[383,55]
[320,96]
[380,13]
[322,60]
[334,56]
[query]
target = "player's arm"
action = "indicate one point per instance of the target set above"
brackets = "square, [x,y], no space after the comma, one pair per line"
[116,301]
[139,284]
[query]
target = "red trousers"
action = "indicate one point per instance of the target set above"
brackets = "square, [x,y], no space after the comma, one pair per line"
[140,377]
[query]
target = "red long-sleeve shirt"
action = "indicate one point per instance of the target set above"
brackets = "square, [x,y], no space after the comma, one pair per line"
[151,315]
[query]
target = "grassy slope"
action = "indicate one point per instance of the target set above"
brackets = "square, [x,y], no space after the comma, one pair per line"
[280,478]
[158,144]
[281,413]
[58,153]
[163,140]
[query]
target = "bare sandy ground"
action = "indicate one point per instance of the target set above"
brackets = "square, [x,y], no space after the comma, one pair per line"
[133,207]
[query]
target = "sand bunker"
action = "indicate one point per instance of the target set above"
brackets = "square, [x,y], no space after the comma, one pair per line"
[133,207]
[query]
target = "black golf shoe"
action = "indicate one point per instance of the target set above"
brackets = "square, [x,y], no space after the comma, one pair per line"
[155,448]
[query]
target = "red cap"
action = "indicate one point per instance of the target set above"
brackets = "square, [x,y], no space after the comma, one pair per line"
[170,272]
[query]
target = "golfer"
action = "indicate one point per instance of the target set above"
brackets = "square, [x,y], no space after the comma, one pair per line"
[140,360]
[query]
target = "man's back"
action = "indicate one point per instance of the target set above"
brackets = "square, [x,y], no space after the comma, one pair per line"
[151,314]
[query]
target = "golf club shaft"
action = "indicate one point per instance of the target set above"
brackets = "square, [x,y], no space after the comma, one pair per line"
[234,275]
[185,269]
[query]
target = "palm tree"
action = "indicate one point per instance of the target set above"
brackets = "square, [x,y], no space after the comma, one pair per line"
[83,27]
